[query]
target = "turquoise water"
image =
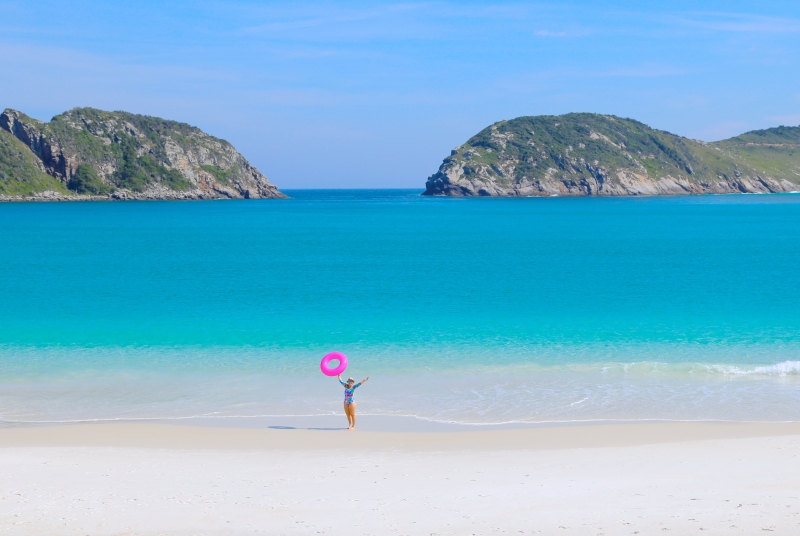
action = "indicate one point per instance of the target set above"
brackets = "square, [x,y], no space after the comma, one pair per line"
[465,310]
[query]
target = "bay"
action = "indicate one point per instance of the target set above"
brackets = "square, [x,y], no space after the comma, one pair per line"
[467,310]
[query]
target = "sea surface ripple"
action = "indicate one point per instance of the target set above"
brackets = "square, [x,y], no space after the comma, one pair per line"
[474,311]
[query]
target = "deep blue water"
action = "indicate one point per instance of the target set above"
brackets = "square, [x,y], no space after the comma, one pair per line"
[95,292]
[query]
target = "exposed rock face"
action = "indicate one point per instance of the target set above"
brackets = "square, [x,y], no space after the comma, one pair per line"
[117,155]
[595,155]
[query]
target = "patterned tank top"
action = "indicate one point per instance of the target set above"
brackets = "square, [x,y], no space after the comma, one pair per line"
[348,393]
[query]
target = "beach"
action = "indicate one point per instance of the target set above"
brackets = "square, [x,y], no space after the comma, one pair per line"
[629,366]
[624,478]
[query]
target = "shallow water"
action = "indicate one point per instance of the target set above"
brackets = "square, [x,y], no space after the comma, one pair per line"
[461,310]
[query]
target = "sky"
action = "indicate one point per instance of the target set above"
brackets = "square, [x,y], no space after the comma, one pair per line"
[375,94]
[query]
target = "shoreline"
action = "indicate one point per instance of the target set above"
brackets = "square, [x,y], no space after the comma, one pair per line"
[56,197]
[380,436]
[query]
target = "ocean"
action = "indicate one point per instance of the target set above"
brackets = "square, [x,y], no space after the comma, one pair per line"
[461,310]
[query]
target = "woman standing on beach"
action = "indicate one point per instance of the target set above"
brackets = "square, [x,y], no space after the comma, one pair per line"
[349,404]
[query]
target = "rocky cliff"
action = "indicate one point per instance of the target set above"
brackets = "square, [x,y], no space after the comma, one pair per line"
[88,153]
[591,154]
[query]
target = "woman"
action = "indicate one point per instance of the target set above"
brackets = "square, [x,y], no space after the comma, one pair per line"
[349,404]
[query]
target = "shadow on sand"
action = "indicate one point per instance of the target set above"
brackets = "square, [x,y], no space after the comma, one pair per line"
[296,428]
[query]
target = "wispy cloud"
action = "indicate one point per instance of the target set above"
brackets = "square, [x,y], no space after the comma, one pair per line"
[549,33]
[532,82]
[736,22]
[791,119]
[109,82]
[63,59]
[642,71]
[719,131]
[568,30]
[425,21]
[348,23]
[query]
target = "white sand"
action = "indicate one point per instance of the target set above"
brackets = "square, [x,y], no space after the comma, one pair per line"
[621,479]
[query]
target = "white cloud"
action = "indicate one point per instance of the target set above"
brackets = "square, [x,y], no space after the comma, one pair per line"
[737,22]
[544,79]
[549,33]
[790,120]
[720,131]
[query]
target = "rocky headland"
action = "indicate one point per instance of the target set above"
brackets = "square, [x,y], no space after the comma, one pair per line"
[583,154]
[86,154]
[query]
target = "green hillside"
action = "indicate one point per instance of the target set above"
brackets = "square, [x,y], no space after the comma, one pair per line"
[774,151]
[127,156]
[591,154]
[778,135]
[19,171]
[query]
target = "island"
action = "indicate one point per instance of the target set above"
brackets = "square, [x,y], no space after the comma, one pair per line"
[90,154]
[584,154]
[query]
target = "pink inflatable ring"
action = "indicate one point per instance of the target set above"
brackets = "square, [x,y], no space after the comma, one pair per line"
[325,367]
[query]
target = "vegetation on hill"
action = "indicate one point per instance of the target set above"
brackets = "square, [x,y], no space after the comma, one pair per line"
[787,136]
[774,151]
[19,169]
[93,152]
[86,181]
[591,154]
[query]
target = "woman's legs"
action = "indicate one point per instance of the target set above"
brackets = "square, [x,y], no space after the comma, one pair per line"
[352,415]
[347,412]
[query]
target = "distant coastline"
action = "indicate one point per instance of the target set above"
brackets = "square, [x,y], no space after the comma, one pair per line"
[87,154]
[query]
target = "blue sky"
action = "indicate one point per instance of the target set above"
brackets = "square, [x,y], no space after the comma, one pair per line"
[375,94]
